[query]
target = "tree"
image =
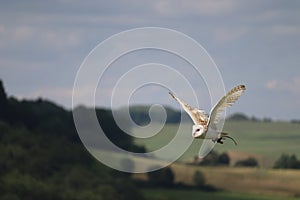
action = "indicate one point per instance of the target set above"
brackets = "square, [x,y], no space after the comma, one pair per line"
[162,177]
[287,162]
[214,159]
[224,159]
[43,158]
[238,117]
[267,120]
[211,159]
[199,179]
[249,162]
[3,101]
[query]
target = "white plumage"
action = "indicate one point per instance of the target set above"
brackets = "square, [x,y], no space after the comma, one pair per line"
[203,122]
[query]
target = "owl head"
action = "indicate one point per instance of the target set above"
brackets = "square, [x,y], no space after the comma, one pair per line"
[198,131]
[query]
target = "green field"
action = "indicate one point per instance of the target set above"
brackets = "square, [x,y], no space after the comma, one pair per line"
[265,141]
[251,181]
[163,194]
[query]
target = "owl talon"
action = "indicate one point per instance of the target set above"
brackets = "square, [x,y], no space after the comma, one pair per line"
[220,140]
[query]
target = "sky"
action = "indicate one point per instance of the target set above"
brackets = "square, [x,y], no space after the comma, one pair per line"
[256,43]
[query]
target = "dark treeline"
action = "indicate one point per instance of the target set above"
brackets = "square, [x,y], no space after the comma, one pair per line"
[42,156]
[286,161]
[140,115]
[223,159]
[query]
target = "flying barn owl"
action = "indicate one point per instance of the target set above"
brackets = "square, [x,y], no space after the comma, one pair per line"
[202,122]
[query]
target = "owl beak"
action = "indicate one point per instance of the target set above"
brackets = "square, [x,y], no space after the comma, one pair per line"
[195,135]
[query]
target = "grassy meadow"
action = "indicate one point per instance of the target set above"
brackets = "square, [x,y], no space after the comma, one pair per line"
[265,141]
[244,180]
[163,194]
[249,183]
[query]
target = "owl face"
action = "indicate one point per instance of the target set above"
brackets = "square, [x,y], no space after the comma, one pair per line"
[198,131]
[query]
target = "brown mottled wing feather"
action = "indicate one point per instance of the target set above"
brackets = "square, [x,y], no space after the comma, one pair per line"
[227,101]
[198,116]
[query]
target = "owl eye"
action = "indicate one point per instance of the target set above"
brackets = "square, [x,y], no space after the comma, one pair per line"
[197,129]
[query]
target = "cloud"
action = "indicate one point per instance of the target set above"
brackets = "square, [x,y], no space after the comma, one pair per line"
[22,33]
[291,86]
[43,44]
[268,16]
[285,30]
[294,86]
[196,7]
[271,85]
[61,39]
[227,34]
[2,28]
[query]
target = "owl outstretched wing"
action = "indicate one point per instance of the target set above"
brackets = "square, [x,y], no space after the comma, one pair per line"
[232,96]
[198,116]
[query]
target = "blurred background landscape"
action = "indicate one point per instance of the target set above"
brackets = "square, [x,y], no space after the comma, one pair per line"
[42,157]
[42,45]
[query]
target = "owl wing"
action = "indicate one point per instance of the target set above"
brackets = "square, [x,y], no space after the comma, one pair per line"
[198,116]
[232,96]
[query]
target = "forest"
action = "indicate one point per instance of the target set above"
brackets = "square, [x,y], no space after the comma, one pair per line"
[42,156]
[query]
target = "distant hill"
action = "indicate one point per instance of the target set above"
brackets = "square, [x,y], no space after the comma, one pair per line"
[140,114]
[266,141]
[42,156]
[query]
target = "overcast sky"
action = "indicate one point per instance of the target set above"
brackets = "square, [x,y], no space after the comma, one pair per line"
[257,43]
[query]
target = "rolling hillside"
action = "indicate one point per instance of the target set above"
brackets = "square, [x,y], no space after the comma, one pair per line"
[265,141]
[247,181]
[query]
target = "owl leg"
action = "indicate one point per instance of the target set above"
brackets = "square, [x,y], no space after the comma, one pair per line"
[220,140]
